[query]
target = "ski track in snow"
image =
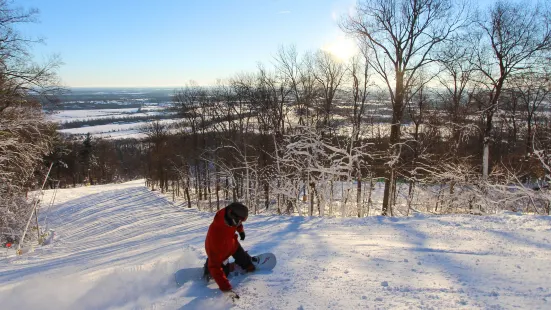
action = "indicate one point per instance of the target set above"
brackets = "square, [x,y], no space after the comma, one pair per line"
[117,247]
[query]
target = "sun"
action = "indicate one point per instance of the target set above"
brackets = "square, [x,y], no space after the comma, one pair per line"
[342,47]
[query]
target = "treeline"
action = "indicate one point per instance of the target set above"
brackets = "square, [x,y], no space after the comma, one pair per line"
[467,94]
[90,161]
[83,105]
[113,120]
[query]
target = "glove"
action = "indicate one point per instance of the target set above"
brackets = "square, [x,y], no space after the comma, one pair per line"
[242,235]
[232,295]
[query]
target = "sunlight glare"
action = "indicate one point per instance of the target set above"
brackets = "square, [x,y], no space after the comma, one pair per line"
[342,47]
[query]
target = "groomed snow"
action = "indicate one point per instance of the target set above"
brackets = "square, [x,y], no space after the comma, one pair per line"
[117,247]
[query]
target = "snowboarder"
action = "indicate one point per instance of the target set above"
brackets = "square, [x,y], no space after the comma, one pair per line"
[221,243]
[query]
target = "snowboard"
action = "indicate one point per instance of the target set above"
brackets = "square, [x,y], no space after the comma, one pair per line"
[262,262]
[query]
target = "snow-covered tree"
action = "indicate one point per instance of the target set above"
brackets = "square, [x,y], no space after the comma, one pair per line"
[310,165]
[25,135]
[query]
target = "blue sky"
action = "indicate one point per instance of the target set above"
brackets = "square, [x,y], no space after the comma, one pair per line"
[167,42]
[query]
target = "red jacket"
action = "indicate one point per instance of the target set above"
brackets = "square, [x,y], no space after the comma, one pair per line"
[220,244]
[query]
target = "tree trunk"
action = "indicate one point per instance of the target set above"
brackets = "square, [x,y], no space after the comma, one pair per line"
[410,195]
[217,192]
[331,199]
[278,198]
[206,182]
[359,197]
[394,195]
[311,211]
[267,195]
[226,192]
[390,174]
[198,192]
[234,190]
[397,114]
[369,201]
[186,191]
[485,158]
[529,136]
[389,180]
[207,185]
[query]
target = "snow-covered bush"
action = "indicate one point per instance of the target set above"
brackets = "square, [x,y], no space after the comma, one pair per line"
[309,165]
[25,135]
[542,151]
[458,187]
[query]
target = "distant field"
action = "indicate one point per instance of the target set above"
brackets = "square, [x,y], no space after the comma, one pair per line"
[112,112]
[113,131]
[91,114]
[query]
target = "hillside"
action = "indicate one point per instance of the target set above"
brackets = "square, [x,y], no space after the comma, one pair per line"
[117,247]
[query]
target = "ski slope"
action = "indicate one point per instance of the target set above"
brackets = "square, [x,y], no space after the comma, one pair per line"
[117,247]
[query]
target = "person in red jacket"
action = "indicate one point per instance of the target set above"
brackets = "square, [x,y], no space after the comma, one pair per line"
[221,243]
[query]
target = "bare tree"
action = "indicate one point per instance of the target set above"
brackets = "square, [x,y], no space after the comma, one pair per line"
[300,73]
[531,89]
[329,73]
[275,91]
[359,70]
[401,35]
[157,134]
[456,78]
[186,102]
[244,86]
[510,38]
[417,108]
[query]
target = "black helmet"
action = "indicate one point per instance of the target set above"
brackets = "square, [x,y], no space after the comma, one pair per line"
[235,213]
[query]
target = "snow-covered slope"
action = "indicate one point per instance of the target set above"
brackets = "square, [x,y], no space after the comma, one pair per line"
[117,247]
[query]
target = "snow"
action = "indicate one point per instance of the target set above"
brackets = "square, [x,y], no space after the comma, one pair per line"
[119,130]
[90,114]
[115,131]
[117,246]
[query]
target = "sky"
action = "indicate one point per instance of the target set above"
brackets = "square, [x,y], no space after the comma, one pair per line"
[167,43]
